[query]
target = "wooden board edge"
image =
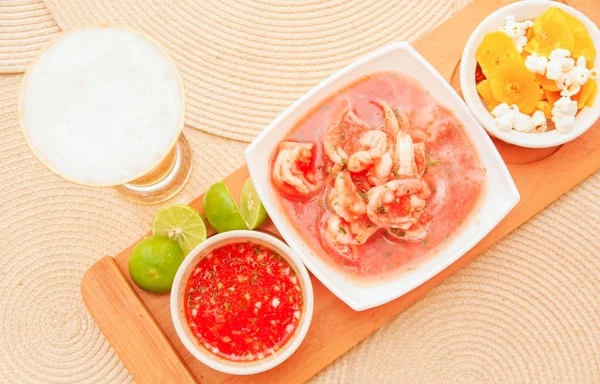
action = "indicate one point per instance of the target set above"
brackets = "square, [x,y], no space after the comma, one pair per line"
[115,306]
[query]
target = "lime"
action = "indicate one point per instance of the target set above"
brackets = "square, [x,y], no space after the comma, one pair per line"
[154,262]
[221,211]
[181,223]
[252,210]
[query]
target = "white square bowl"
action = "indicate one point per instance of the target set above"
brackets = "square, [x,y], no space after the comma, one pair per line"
[498,199]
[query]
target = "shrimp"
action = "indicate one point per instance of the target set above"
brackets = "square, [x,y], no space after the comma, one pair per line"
[342,236]
[338,230]
[397,203]
[332,145]
[291,167]
[335,137]
[419,151]
[391,121]
[380,173]
[425,192]
[344,200]
[355,120]
[363,229]
[336,233]
[404,156]
[375,144]
[414,234]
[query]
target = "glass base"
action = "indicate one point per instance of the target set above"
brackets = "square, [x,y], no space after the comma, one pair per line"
[165,180]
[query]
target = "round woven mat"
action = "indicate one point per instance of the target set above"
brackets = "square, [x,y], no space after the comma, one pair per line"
[243,62]
[25,25]
[525,311]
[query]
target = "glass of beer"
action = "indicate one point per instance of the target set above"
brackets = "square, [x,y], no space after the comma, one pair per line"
[104,107]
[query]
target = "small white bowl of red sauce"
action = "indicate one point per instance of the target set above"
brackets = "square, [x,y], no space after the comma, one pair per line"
[242,302]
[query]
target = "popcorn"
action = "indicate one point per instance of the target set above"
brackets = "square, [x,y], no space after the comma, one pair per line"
[567,87]
[538,119]
[558,62]
[504,116]
[562,56]
[570,82]
[516,31]
[553,70]
[569,76]
[565,106]
[563,114]
[536,63]
[564,123]
[552,67]
[579,74]
[522,122]
[508,117]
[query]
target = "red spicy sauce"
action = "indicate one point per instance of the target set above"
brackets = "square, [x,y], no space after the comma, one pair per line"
[243,302]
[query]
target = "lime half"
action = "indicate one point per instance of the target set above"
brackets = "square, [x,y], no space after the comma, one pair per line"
[220,209]
[154,262]
[181,223]
[252,210]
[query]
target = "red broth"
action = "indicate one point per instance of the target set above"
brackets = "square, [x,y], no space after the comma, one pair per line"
[243,302]
[453,172]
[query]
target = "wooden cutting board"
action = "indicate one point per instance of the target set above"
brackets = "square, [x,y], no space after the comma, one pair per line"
[138,324]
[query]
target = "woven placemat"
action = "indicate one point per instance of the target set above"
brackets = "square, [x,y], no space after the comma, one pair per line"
[25,25]
[243,62]
[525,311]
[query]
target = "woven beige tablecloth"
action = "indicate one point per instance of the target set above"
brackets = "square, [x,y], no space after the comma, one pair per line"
[528,310]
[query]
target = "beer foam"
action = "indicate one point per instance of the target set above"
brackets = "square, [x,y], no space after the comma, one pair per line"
[101,106]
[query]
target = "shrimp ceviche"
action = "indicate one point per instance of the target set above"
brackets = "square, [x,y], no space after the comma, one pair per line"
[378,176]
